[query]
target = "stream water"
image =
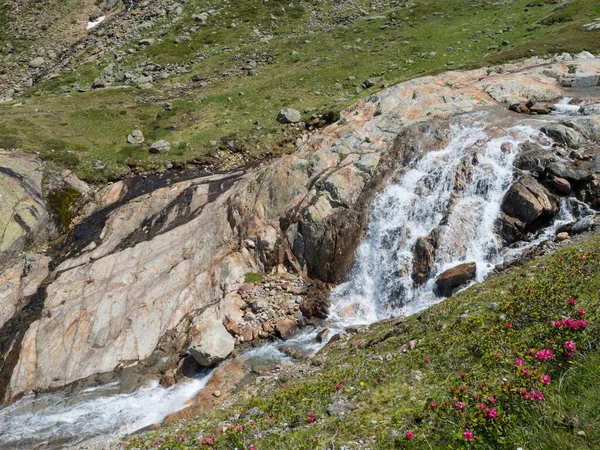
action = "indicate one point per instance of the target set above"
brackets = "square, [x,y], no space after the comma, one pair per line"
[423,198]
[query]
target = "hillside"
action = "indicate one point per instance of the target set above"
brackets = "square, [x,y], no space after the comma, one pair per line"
[210,78]
[511,362]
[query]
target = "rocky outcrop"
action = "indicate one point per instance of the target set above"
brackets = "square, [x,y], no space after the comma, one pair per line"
[150,265]
[455,277]
[24,219]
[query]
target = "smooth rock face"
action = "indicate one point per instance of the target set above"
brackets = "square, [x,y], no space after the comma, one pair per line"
[214,344]
[147,268]
[24,220]
[18,282]
[113,302]
[455,277]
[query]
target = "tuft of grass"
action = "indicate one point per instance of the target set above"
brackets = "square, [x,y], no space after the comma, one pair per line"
[254,277]
[438,375]
[63,204]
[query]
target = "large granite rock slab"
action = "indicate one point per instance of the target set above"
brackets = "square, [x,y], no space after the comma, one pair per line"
[24,220]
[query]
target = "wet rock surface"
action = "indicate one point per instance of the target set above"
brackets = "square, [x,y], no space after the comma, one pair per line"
[527,200]
[455,277]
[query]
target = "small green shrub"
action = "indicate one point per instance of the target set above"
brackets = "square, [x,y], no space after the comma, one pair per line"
[253,277]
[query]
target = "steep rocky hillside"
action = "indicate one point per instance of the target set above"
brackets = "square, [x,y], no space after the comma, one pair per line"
[210,78]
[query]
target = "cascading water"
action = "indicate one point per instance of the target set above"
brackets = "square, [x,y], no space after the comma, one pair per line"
[59,421]
[455,193]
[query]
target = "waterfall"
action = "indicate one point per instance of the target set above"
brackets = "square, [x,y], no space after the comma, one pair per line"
[455,193]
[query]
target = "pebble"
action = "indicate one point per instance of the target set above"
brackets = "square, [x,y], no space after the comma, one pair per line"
[217,393]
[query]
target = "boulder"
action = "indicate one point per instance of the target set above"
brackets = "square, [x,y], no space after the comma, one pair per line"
[569,171]
[369,83]
[528,201]
[540,108]
[583,79]
[287,328]
[588,126]
[455,277]
[145,86]
[582,225]
[214,344]
[315,307]
[95,14]
[510,229]
[289,115]
[562,236]
[135,137]
[202,17]
[36,63]
[108,5]
[563,135]
[99,83]
[423,260]
[561,185]
[323,335]
[160,147]
[340,407]
[533,158]
[590,191]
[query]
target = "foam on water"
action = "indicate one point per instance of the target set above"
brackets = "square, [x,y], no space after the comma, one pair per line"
[63,421]
[564,107]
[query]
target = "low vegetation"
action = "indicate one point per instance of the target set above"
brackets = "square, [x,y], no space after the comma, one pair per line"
[509,363]
[309,55]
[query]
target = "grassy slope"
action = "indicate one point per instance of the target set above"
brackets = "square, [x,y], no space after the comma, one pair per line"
[78,129]
[465,334]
